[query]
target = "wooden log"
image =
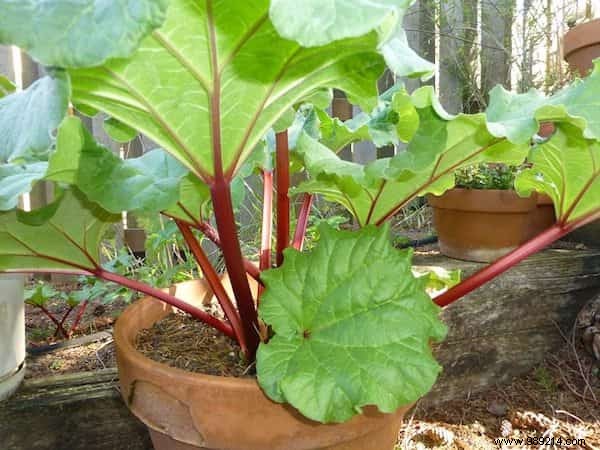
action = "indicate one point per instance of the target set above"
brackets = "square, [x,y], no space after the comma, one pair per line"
[507,327]
[502,330]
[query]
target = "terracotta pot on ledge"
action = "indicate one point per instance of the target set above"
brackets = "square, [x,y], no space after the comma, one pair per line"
[189,411]
[481,224]
[582,46]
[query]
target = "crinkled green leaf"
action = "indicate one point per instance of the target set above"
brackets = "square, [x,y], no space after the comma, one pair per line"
[517,116]
[437,279]
[149,183]
[70,140]
[41,294]
[63,235]
[6,86]
[29,119]
[319,22]
[17,179]
[352,327]
[408,116]
[165,89]
[194,203]
[440,147]
[567,168]
[399,56]
[119,131]
[78,33]
[394,119]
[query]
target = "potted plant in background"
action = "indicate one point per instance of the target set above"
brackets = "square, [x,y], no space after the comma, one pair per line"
[340,334]
[582,44]
[12,333]
[581,47]
[482,218]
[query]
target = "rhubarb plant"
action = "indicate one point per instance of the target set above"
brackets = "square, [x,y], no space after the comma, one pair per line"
[224,87]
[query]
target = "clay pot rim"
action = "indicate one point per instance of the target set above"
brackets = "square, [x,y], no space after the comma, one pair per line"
[482,200]
[124,337]
[583,35]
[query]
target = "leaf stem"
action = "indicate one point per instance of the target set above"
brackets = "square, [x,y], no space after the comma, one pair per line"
[213,235]
[534,245]
[159,294]
[79,317]
[214,281]
[283,199]
[234,261]
[302,224]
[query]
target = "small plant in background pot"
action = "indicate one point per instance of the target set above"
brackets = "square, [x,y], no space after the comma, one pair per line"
[468,217]
[341,334]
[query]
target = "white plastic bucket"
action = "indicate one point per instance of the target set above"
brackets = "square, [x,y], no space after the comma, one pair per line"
[12,333]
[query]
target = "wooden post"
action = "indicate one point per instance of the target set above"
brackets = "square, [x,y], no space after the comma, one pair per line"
[496,53]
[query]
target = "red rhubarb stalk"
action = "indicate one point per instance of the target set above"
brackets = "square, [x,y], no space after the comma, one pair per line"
[54,320]
[78,318]
[303,216]
[232,253]
[167,298]
[214,281]
[283,199]
[63,320]
[513,258]
[213,236]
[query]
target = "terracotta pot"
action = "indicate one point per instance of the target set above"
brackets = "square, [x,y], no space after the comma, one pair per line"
[582,46]
[185,411]
[481,225]
[543,216]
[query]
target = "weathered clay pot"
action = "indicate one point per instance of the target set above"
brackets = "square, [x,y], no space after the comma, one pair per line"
[582,46]
[481,225]
[185,411]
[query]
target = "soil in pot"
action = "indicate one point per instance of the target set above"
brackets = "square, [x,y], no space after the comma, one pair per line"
[182,342]
[185,410]
[481,225]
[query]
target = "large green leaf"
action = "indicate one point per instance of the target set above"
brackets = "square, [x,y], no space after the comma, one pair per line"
[194,202]
[170,91]
[17,179]
[63,235]
[28,121]
[395,119]
[352,328]
[319,22]
[148,183]
[78,33]
[567,168]
[517,116]
[441,145]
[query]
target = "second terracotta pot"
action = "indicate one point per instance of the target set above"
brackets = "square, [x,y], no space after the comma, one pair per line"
[481,225]
[188,411]
[582,46]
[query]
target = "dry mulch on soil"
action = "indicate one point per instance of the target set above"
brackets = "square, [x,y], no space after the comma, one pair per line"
[40,332]
[87,358]
[185,343]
